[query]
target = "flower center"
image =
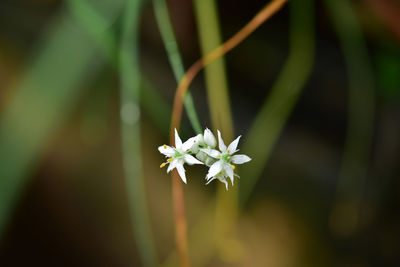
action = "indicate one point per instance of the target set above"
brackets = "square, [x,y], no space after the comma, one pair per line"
[177,154]
[226,158]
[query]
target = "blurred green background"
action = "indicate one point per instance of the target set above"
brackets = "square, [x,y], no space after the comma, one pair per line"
[86,91]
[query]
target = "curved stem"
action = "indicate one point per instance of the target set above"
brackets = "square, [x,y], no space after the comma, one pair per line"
[175,59]
[269,10]
[178,198]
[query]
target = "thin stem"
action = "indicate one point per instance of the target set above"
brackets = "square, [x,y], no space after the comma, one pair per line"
[96,25]
[269,10]
[175,59]
[180,220]
[130,131]
[179,213]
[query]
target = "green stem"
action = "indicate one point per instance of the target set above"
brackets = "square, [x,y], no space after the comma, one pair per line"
[168,37]
[361,107]
[284,94]
[130,124]
[218,98]
[96,25]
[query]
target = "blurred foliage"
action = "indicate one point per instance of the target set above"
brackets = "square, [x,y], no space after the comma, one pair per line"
[388,70]
[283,96]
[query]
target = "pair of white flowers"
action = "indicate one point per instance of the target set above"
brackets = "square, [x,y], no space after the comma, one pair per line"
[201,149]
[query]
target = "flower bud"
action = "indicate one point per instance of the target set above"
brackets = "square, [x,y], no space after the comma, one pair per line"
[201,156]
[199,141]
[209,138]
[209,161]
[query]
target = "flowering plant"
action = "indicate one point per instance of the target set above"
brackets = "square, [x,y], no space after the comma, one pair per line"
[201,149]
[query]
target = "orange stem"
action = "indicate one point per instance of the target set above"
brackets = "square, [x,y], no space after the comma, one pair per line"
[180,220]
[265,13]
[177,189]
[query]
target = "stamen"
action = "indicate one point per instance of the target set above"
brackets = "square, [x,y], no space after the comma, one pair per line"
[170,160]
[163,165]
[219,156]
[165,146]
[233,166]
[228,151]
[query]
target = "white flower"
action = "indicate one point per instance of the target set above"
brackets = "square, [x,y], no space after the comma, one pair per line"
[204,141]
[223,167]
[179,155]
[209,138]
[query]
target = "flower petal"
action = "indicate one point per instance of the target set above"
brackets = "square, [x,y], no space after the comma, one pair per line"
[210,180]
[188,144]
[209,138]
[178,141]
[232,147]
[166,150]
[240,159]
[223,180]
[215,169]
[192,160]
[172,165]
[229,171]
[211,152]
[221,143]
[181,172]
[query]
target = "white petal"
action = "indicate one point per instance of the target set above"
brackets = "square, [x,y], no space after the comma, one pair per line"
[229,171]
[240,159]
[188,144]
[215,169]
[200,139]
[178,141]
[166,150]
[211,152]
[221,143]
[172,165]
[181,172]
[209,138]
[210,180]
[192,160]
[232,147]
[225,182]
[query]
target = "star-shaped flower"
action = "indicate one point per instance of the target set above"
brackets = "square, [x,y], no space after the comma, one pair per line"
[179,155]
[224,166]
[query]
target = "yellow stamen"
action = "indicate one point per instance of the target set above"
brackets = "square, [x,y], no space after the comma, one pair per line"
[233,166]
[163,165]
[170,160]
[165,146]
[228,151]
[219,156]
